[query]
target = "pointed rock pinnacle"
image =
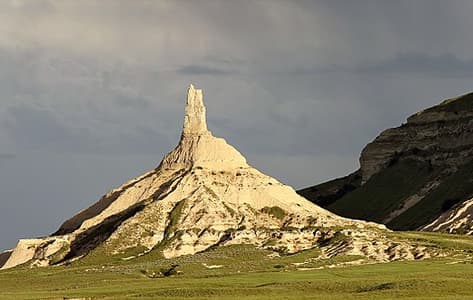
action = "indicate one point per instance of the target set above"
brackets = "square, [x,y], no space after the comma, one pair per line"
[204,195]
[198,147]
[194,121]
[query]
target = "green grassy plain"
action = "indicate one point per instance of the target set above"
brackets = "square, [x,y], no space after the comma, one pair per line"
[249,273]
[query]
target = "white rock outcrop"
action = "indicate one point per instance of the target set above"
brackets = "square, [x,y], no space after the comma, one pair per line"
[202,195]
[459,219]
[195,122]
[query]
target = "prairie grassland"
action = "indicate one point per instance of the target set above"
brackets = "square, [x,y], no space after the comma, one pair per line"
[243,272]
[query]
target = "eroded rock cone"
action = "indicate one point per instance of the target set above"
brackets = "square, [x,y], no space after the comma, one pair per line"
[202,195]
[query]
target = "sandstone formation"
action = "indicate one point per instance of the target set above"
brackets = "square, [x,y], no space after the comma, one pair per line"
[457,220]
[411,174]
[202,195]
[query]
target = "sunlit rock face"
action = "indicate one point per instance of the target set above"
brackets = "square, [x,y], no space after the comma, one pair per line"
[195,122]
[198,147]
[204,194]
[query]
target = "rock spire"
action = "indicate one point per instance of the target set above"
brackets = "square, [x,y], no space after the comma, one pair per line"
[203,195]
[194,120]
[198,147]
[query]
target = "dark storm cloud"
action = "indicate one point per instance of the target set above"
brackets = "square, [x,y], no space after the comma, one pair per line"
[38,129]
[203,70]
[445,65]
[132,102]
[7,156]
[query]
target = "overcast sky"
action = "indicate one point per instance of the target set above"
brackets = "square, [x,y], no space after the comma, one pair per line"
[92,92]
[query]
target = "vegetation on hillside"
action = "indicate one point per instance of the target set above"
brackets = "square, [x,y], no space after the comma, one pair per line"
[458,187]
[457,104]
[384,192]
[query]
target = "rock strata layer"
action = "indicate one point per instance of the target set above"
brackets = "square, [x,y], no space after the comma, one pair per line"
[441,136]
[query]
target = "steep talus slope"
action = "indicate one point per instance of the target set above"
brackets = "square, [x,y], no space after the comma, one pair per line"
[411,174]
[204,195]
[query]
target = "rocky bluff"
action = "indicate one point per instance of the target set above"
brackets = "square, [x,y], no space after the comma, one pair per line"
[411,174]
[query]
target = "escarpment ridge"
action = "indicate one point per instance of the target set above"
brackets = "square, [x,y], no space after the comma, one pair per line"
[412,174]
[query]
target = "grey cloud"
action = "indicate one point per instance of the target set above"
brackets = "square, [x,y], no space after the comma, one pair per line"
[203,70]
[7,156]
[139,140]
[33,128]
[37,129]
[446,65]
[132,102]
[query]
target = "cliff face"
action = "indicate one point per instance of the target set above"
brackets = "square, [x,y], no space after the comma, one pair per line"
[441,136]
[411,174]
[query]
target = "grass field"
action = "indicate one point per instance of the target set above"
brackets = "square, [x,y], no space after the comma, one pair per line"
[243,272]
